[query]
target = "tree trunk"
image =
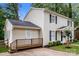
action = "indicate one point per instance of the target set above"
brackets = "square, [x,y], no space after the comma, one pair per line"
[70,10]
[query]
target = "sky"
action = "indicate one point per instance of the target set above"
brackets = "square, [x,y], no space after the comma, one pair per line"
[23,9]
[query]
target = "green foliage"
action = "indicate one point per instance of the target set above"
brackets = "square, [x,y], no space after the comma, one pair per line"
[3,50]
[67,33]
[54,43]
[2,22]
[73,49]
[68,9]
[75,40]
[10,12]
[50,43]
[62,8]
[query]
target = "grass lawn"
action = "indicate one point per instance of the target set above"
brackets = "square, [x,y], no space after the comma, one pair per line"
[76,43]
[3,49]
[73,49]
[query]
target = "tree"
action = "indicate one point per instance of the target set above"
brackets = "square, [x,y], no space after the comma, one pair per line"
[2,21]
[70,10]
[60,8]
[68,36]
[12,11]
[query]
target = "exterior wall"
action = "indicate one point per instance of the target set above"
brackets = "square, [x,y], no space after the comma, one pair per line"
[61,21]
[8,32]
[59,36]
[41,18]
[18,34]
[53,27]
[47,28]
[73,30]
[36,16]
[25,34]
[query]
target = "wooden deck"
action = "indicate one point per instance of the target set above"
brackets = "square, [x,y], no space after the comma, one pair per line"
[26,43]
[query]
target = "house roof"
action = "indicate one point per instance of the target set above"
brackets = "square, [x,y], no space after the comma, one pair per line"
[49,11]
[55,13]
[62,27]
[23,23]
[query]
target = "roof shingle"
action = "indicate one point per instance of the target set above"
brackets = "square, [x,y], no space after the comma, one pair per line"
[23,23]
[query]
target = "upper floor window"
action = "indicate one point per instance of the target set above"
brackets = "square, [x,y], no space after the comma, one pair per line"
[53,19]
[69,23]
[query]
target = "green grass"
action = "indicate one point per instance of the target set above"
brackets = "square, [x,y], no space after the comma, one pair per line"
[73,49]
[76,42]
[3,49]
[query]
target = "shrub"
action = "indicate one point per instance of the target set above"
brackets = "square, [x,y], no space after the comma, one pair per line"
[75,40]
[56,43]
[50,43]
[70,40]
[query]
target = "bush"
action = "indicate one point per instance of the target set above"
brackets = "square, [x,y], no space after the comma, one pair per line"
[75,40]
[70,40]
[50,43]
[56,43]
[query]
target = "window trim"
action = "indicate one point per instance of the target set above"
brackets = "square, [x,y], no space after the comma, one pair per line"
[55,19]
[69,23]
[50,35]
[56,35]
[61,36]
[50,18]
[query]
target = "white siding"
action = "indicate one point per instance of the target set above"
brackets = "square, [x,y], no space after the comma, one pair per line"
[41,18]
[58,36]
[25,34]
[32,34]
[8,31]
[18,34]
[47,27]
[61,21]
[36,16]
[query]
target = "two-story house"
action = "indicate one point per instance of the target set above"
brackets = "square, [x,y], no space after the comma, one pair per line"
[39,27]
[51,23]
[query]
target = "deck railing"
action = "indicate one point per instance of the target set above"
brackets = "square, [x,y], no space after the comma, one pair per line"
[26,43]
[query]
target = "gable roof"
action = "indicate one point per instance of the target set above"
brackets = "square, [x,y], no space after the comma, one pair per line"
[23,23]
[49,11]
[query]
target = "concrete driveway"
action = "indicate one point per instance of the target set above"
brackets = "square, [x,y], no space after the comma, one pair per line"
[38,52]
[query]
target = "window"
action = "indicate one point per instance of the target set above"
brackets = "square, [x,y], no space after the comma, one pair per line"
[61,35]
[56,35]
[28,33]
[31,34]
[69,23]
[52,36]
[53,19]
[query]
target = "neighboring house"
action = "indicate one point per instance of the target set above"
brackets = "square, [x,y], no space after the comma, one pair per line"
[39,23]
